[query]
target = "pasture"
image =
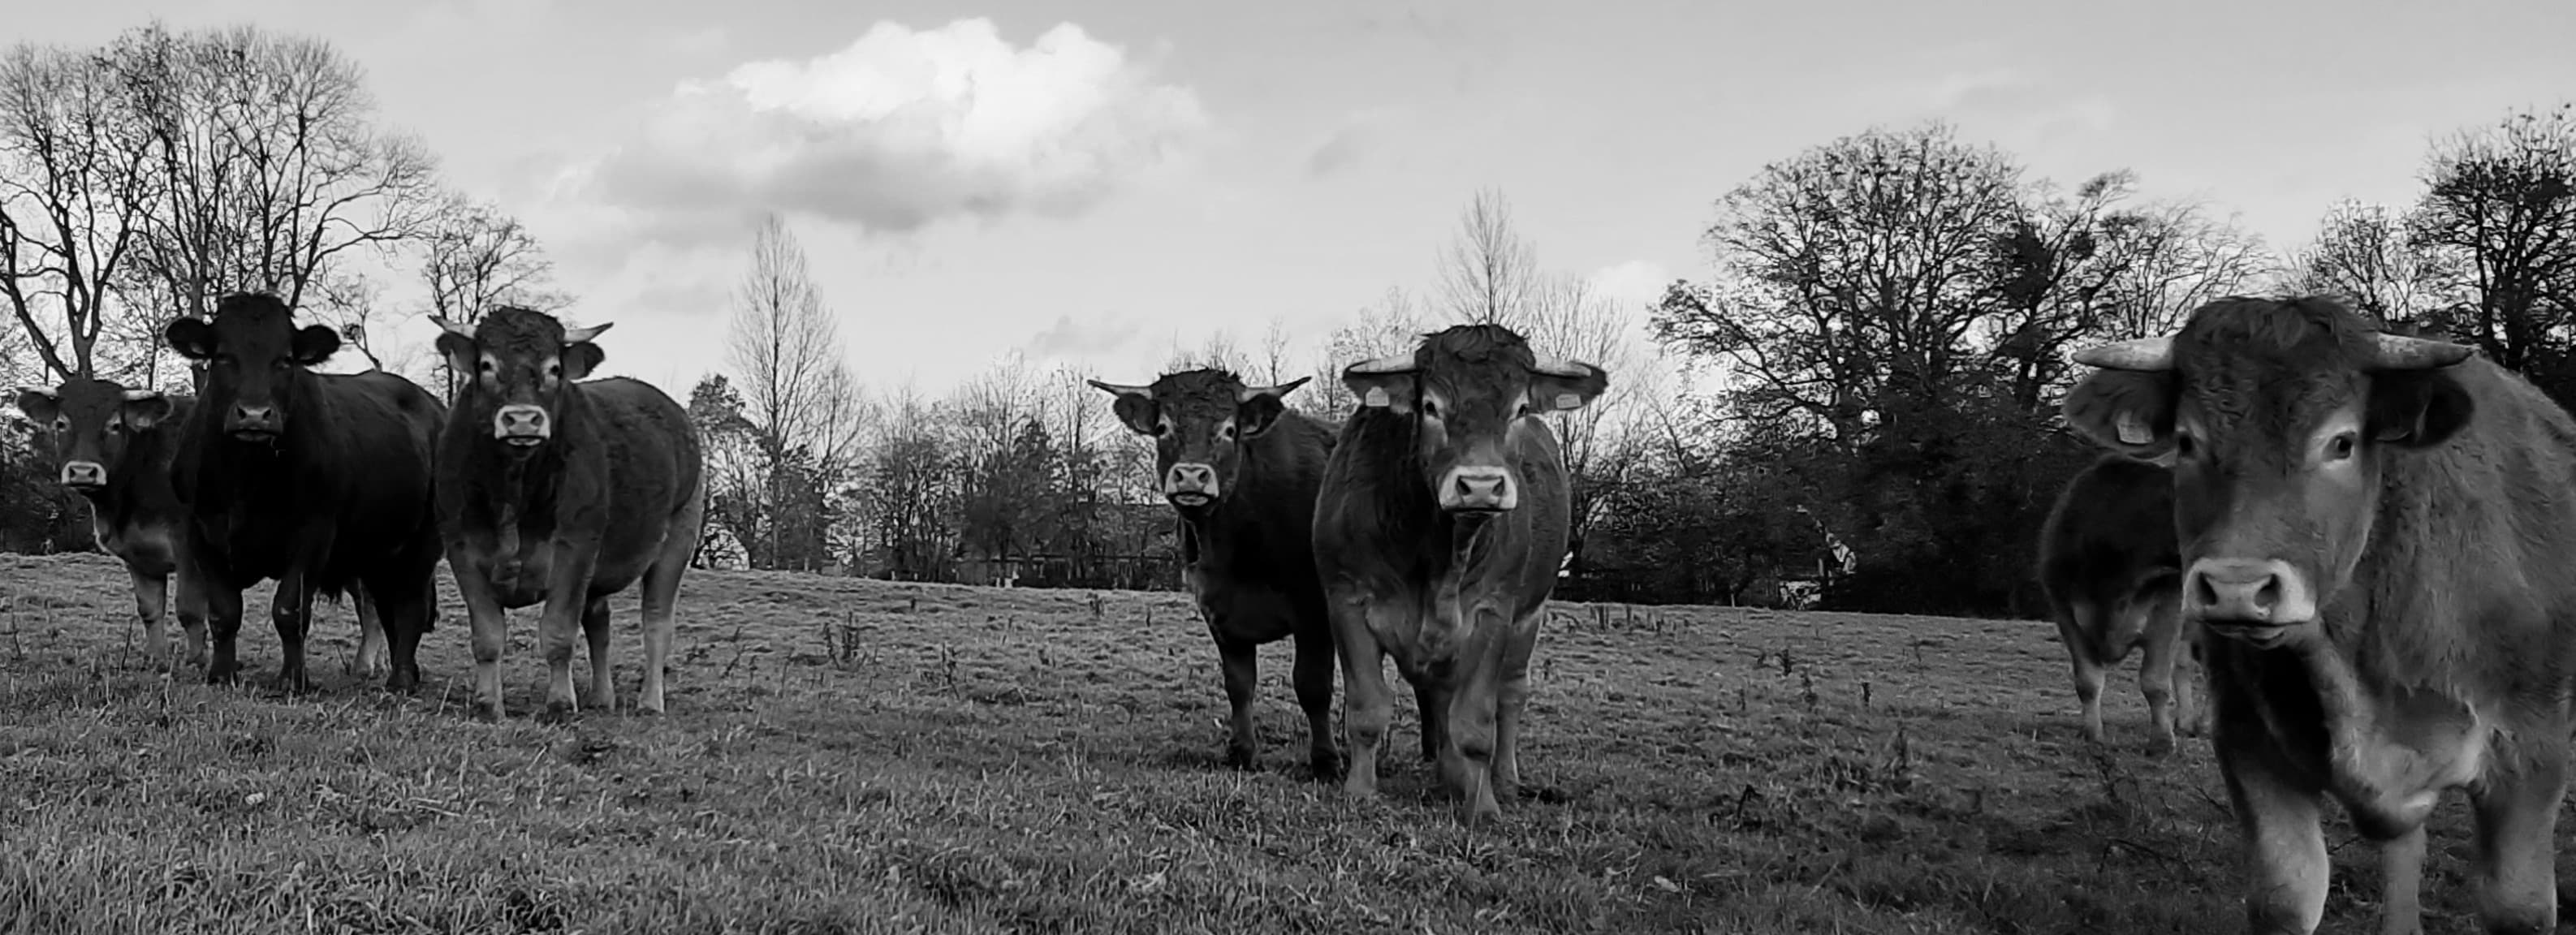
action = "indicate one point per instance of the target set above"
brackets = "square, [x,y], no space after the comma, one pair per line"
[849,755]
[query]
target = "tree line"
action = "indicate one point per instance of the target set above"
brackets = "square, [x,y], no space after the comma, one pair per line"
[1855,402]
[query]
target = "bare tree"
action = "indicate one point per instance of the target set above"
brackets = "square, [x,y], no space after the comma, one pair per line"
[1490,273]
[797,392]
[1391,326]
[476,257]
[2500,207]
[1272,357]
[273,171]
[2362,253]
[73,197]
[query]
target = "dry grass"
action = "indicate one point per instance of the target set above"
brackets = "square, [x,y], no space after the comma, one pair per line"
[860,756]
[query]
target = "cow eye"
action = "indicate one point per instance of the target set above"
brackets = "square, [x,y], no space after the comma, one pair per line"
[1430,410]
[1225,431]
[1162,428]
[2340,448]
[2183,445]
[62,425]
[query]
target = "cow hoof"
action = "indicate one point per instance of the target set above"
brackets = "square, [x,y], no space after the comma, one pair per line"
[1327,765]
[1239,758]
[2160,746]
[556,712]
[296,684]
[221,675]
[487,713]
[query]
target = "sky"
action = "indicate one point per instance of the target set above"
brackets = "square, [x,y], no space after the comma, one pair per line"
[1095,182]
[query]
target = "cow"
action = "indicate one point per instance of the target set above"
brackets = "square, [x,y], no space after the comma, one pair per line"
[2109,565]
[1241,472]
[319,481]
[2376,533]
[563,492]
[115,445]
[1444,513]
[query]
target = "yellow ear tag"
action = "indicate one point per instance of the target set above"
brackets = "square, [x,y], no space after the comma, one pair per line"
[1568,400]
[1376,397]
[2132,430]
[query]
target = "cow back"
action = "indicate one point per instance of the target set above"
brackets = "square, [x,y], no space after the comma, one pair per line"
[2112,526]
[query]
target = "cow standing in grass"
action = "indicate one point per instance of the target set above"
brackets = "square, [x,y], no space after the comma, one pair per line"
[2379,536]
[1445,513]
[2113,574]
[562,492]
[1242,472]
[115,446]
[320,481]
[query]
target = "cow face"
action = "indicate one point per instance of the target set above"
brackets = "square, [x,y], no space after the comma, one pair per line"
[520,361]
[89,423]
[1199,420]
[2278,417]
[1469,390]
[254,361]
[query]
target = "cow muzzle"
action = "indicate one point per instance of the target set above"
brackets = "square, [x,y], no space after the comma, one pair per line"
[522,425]
[84,475]
[253,423]
[1190,485]
[1478,490]
[2247,599]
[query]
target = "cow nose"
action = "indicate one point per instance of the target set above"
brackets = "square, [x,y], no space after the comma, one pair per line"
[252,417]
[521,420]
[2243,591]
[1479,488]
[83,474]
[1189,478]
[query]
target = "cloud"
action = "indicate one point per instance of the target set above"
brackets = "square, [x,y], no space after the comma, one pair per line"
[900,129]
[1337,152]
[1067,338]
[1632,284]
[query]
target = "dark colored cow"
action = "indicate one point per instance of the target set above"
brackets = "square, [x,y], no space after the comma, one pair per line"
[1242,472]
[2114,580]
[1444,516]
[563,492]
[115,446]
[320,481]
[2377,534]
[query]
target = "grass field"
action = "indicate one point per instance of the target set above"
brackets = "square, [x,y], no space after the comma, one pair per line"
[859,756]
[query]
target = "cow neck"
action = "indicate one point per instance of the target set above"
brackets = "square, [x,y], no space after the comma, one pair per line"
[129,488]
[517,477]
[1409,518]
[1219,526]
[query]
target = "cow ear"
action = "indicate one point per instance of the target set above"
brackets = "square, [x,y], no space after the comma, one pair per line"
[1387,383]
[40,405]
[2417,408]
[145,409]
[2127,411]
[313,344]
[191,336]
[1562,386]
[1257,408]
[459,351]
[580,358]
[1135,407]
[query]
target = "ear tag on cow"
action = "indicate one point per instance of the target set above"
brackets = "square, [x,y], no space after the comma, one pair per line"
[1376,397]
[2132,431]
[1568,400]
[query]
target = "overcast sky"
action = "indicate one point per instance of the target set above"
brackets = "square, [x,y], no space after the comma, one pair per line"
[1127,174]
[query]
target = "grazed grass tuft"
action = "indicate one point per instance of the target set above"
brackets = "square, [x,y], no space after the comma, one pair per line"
[860,756]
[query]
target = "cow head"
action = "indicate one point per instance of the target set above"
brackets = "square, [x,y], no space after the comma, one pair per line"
[90,423]
[2278,416]
[1198,420]
[520,361]
[254,359]
[1469,390]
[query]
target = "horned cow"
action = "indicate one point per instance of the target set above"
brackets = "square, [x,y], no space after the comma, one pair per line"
[2114,580]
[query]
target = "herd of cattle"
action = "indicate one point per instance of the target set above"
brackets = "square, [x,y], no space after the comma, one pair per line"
[2367,539]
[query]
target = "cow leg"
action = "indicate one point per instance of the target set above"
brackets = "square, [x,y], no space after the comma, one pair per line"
[2156,678]
[2075,623]
[152,603]
[1467,760]
[291,608]
[370,662]
[406,612]
[1242,675]
[594,626]
[2285,843]
[1431,705]
[1367,705]
[2401,884]
[662,596]
[192,613]
[2517,819]
[1512,701]
[1313,678]
[223,625]
[489,628]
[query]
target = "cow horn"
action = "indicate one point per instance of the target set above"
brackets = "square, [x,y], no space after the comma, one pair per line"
[2141,354]
[46,392]
[2398,352]
[1246,394]
[578,335]
[452,327]
[136,396]
[1122,389]
[1400,363]
[1561,367]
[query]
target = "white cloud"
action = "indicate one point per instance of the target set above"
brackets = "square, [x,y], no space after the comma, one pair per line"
[900,129]
[1632,284]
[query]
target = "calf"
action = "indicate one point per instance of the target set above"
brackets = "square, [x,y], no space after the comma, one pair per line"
[115,446]
[320,481]
[2114,580]
[1241,473]
[555,490]
[1443,518]
[2375,538]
